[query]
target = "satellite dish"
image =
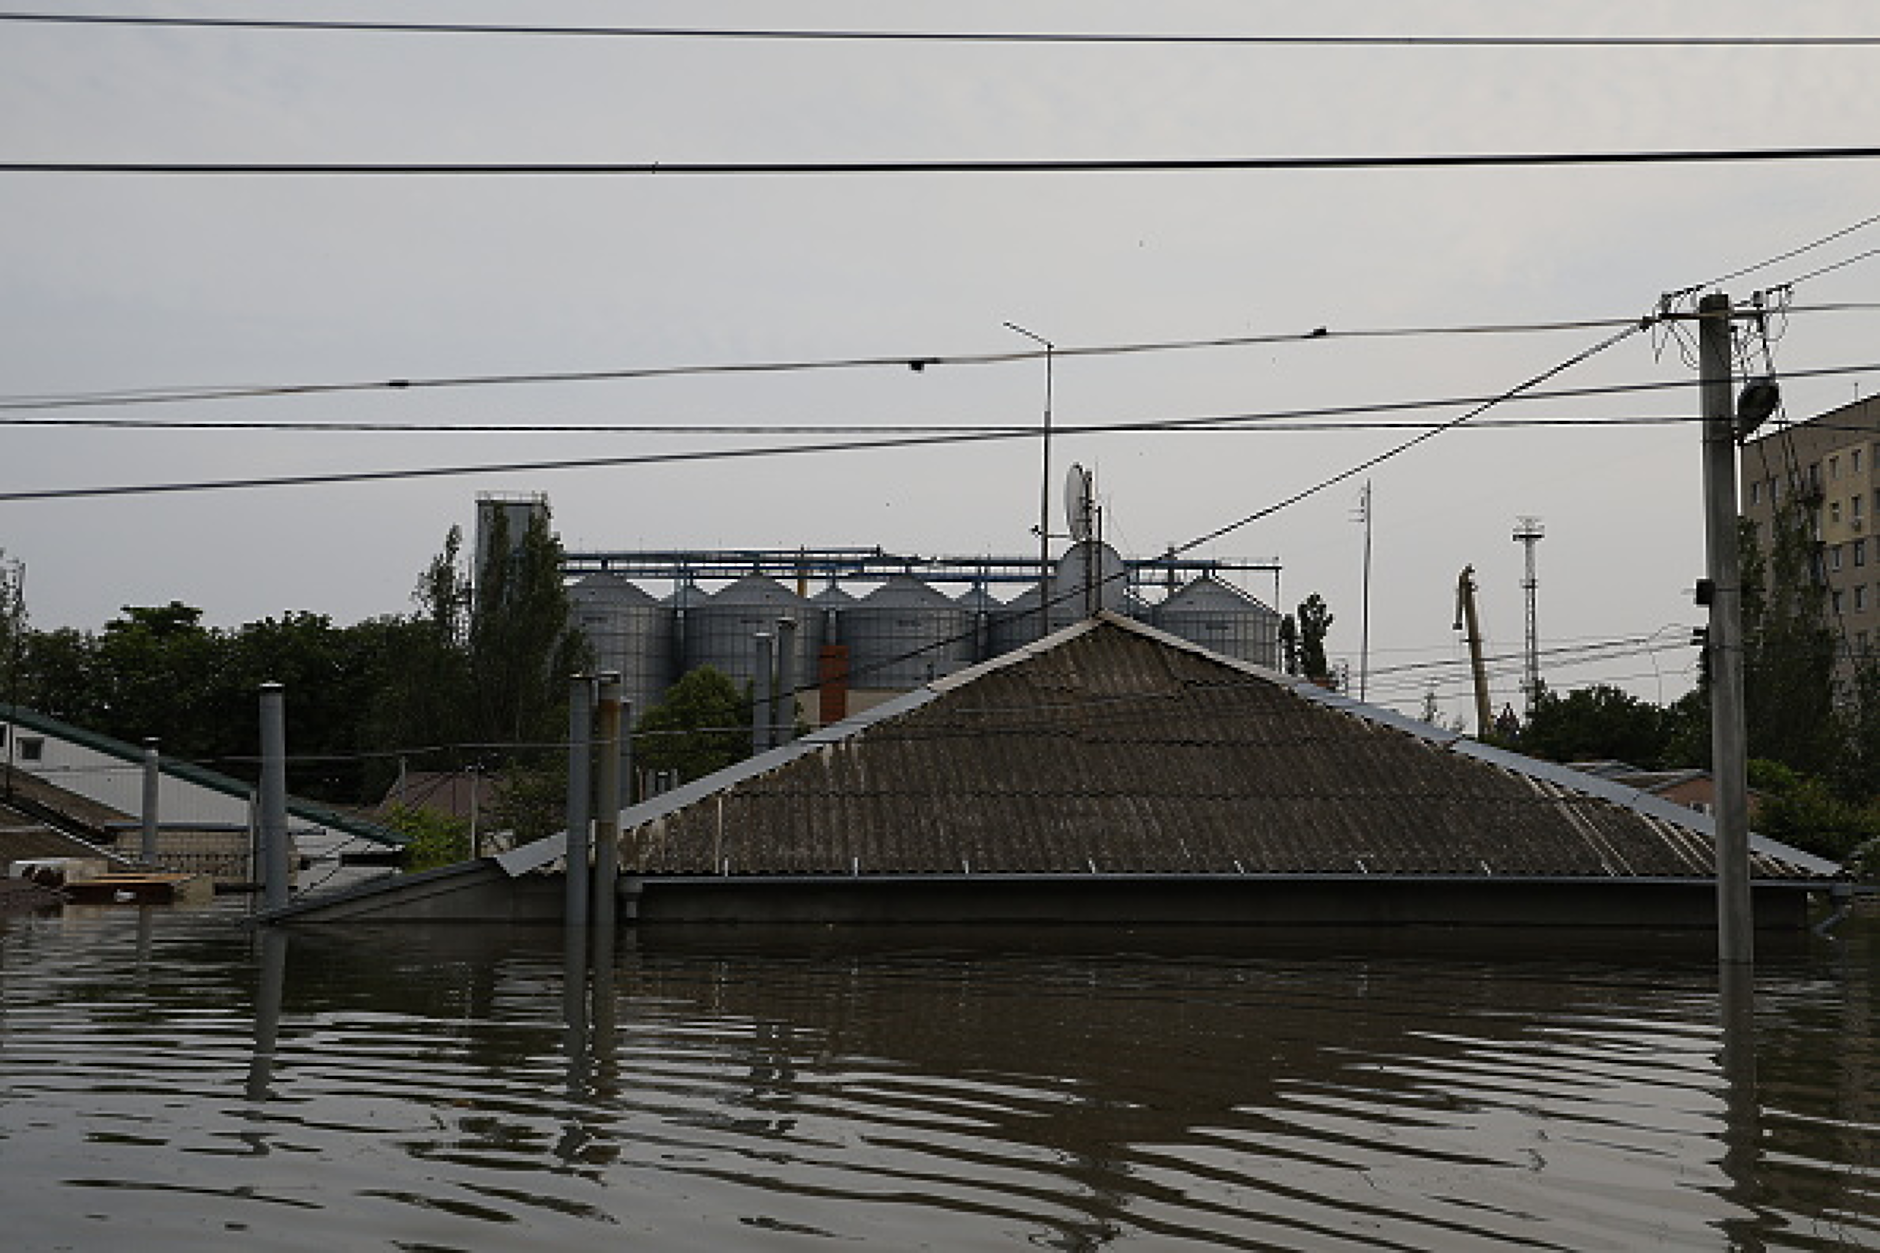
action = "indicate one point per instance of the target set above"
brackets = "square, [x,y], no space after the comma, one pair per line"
[1077,503]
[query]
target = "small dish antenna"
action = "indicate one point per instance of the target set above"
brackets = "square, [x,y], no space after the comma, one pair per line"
[1077,504]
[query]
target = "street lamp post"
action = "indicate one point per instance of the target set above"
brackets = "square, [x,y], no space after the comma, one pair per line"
[1044,487]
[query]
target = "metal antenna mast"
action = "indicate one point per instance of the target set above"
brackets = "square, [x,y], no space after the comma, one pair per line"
[1364,646]
[1528,531]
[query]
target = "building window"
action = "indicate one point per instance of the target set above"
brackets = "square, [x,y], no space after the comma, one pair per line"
[1834,512]
[1860,552]
[1814,475]
[1860,643]
[1854,466]
[1834,559]
[32,748]
[1755,492]
[1834,469]
[1835,602]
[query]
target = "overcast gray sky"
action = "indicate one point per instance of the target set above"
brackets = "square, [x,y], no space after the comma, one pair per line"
[114,281]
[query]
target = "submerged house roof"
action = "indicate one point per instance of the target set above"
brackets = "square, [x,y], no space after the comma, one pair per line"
[1112,773]
[1112,748]
[189,772]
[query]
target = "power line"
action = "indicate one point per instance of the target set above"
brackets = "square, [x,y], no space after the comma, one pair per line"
[918,362]
[1399,449]
[958,436]
[1241,422]
[1829,238]
[1144,165]
[856,35]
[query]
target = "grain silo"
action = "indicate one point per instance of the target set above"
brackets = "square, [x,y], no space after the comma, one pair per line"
[1223,618]
[630,632]
[978,603]
[905,633]
[1089,577]
[1015,623]
[719,628]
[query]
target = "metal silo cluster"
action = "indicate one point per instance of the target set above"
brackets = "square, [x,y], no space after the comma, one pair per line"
[903,632]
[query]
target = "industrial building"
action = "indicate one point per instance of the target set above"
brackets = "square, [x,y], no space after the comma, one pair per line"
[867,624]
[877,625]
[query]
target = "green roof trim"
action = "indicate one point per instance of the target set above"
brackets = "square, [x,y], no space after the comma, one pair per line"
[201,776]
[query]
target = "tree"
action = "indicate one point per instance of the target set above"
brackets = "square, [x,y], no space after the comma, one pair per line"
[420,666]
[12,628]
[1289,644]
[703,724]
[523,645]
[431,838]
[1600,722]
[1788,647]
[1315,622]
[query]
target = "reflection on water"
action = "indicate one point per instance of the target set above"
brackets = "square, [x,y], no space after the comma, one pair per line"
[171,1081]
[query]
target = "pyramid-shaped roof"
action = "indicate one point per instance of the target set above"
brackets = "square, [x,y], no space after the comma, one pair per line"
[1114,748]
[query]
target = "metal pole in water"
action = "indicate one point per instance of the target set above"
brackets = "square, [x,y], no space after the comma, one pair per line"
[1729,755]
[152,774]
[274,868]
[580,797]
[607,821]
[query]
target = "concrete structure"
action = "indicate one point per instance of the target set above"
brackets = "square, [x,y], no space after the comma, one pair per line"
[1113,773]
[1827,465]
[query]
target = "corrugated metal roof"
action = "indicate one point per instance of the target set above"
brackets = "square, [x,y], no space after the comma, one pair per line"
[1211,595]
[607,588]
[1114,748]
[904,591]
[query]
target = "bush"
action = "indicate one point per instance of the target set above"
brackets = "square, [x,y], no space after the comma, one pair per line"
[431,839]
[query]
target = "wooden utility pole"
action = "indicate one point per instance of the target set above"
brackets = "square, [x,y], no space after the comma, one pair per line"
[1466,620]
[1728,752]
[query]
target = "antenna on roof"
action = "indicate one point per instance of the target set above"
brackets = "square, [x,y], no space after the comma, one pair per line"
[1078,503]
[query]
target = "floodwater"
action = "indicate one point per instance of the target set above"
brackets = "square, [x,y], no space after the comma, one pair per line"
[169,1081]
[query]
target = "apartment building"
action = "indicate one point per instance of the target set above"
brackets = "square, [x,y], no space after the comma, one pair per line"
[1828,463]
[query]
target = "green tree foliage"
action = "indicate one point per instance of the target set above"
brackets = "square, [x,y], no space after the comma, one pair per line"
[1315,623]
[452,682]
[702,725]
[1597,723]
[1788,647]
[1802,810]
[522,646]
[13,632]
[431,839]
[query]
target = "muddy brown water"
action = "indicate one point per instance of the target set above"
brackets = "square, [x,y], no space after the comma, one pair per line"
[169,1081]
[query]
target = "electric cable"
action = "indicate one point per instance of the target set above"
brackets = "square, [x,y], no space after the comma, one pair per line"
[1399,449]
[856,35]
[1095,165]
[1791,253]
[916,362]
[1294,420]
